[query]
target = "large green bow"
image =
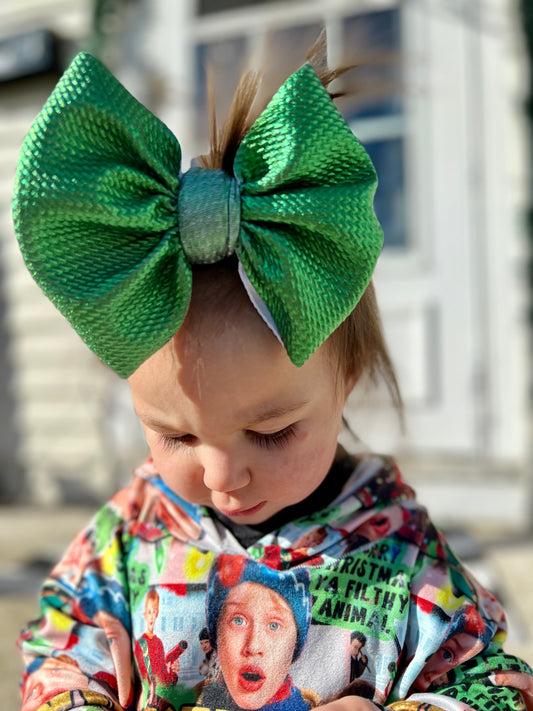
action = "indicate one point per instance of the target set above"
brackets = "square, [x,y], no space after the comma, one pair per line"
[109,228]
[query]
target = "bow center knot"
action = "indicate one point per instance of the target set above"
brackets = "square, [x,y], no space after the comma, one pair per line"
[209,215]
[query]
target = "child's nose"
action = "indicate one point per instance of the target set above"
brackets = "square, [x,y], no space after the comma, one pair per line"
[253,642]
[223,472]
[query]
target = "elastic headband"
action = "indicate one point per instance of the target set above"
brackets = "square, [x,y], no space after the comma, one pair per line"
[109,228]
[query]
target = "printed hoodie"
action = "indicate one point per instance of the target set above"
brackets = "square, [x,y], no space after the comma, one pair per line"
[156,605]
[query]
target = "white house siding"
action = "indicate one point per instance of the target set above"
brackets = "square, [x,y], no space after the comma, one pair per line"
[60,390]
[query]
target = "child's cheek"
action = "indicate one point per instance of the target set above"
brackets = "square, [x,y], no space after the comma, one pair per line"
[178,471]
[309,462]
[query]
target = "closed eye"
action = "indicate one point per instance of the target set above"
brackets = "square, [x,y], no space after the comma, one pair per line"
[273,439]
[172,442]
[266,440]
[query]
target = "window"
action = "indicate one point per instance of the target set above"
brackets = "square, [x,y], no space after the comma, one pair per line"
[206,7]
[372,106]
[374,109]
[227,58]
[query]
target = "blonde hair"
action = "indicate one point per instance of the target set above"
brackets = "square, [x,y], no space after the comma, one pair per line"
[358,344]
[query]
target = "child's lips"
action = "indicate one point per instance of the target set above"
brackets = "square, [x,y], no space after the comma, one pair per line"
[243,512]
[251,678]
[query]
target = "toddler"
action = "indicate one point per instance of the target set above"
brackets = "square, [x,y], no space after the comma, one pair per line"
[237,299]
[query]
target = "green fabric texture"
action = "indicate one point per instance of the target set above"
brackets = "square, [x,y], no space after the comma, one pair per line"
[97,213]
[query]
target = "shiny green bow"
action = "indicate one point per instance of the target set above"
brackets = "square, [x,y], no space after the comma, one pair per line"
[109,228]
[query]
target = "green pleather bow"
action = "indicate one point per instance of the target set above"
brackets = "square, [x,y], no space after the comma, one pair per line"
[109,228]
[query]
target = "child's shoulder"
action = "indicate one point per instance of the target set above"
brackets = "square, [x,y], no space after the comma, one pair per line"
[387,505]
[135,499]
[141,508]
[146,508]
[374,478]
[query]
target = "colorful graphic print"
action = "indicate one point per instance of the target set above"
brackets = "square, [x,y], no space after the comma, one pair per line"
[209,666]
[154,665]
[156,607]
[258,621]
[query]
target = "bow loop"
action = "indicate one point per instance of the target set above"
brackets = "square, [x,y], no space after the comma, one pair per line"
[309,238]
[95,214]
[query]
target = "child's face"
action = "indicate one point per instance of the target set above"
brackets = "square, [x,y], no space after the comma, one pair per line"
[232,424]
[256,637]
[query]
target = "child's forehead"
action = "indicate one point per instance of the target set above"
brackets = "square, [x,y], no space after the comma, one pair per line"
[247,376]
[213,319]
[226,360]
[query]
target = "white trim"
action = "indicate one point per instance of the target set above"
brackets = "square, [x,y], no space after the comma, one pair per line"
[378,129]
[241,20]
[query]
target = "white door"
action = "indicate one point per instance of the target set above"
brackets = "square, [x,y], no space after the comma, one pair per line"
[450,292]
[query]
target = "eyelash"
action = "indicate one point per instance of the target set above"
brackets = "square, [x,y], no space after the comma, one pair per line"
[267,441]
[274,439]
[171,443]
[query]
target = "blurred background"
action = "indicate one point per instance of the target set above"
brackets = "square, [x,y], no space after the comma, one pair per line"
[441,98]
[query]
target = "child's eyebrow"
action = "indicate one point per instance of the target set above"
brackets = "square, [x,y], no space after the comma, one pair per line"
[274,412]
[154,423]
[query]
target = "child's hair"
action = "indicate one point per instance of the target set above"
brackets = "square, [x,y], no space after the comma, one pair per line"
[358,345]
[152,596]
[359,636]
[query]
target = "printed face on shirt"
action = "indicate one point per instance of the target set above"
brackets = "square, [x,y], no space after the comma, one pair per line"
[256,637]
[355,647]
[456,650]
[205,646]
[151,611]
[231,423]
